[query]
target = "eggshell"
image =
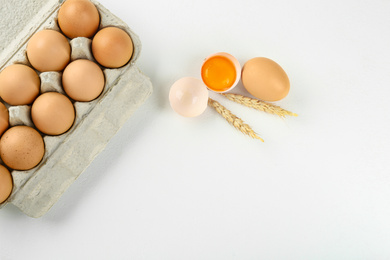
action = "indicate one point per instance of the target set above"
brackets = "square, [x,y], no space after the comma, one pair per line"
[6,183]
[188,97]
[19,84]
[112,47]
[21,147]
[52,113]
[265,79]
[83,80]
[221,72]
[4,118]
[48,50]
[78,18]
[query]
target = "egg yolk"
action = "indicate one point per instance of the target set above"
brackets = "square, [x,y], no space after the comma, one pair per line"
[219,73]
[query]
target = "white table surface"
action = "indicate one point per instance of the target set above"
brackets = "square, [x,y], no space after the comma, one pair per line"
[169,187]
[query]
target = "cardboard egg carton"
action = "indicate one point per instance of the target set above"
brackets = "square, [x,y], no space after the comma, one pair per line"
[68,155]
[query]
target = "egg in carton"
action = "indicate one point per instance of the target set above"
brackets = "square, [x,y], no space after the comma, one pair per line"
[66,156]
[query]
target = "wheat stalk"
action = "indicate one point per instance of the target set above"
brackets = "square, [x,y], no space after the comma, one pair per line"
[258,104]
[233,120]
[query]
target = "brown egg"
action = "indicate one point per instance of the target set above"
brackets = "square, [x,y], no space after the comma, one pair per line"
[265,79]
[112,47]
[78,18]
[52,113]
[4,118]
[48,50]
[21,147]
[83,80]
[6,183]
[19,84]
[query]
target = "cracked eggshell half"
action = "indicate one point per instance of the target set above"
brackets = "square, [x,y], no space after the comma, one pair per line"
[188,97]
[221,72]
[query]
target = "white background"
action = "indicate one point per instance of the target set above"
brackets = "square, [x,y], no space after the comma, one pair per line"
[168,187]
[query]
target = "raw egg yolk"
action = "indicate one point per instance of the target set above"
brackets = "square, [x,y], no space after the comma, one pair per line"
[219,73]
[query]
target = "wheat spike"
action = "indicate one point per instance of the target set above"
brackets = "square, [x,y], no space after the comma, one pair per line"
[258,104]
[233,120]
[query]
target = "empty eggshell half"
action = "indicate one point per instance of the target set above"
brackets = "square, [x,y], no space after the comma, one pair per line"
[188,97]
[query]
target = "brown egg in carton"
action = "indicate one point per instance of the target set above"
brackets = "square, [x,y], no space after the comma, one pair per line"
[67,155]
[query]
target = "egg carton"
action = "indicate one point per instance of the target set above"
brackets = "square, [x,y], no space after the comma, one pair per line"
[68,155]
